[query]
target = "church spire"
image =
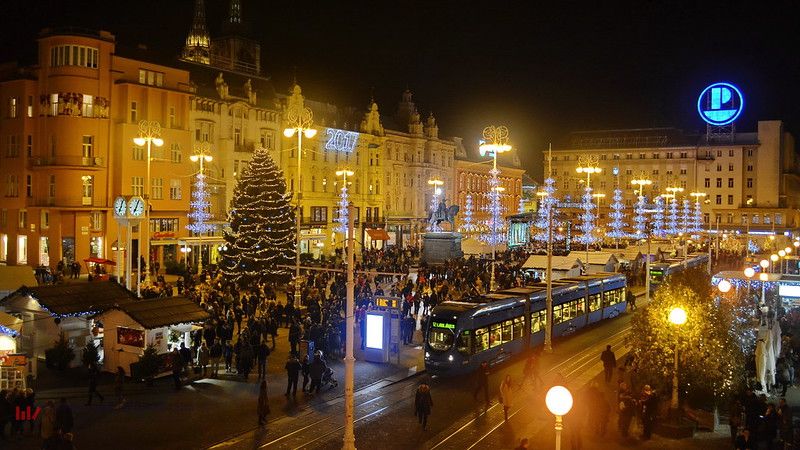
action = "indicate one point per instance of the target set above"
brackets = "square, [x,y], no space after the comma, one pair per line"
[197,42]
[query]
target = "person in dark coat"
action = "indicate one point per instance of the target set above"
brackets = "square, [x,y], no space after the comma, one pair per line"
[292,367]
[93,373]
[482,382]
[6,412]
[263,403]
[609,362]
[305,368]
[745,442]
[423,403]
[295,334]
[177,368]
[64,418]
[316,371]
[649,403]
[263,353]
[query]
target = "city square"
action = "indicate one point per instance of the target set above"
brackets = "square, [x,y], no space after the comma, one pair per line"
[233,224]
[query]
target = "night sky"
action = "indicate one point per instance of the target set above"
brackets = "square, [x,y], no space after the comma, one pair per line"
[543,71]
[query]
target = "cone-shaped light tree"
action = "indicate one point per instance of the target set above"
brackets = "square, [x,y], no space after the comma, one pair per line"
[546,205]
[617,214]
[262,234]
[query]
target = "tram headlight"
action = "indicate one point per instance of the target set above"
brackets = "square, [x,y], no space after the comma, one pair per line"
[450,358]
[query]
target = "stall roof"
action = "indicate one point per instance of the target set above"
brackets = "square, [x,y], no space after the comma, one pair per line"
[14,277]
[164,311]
[559,262]
[76,298]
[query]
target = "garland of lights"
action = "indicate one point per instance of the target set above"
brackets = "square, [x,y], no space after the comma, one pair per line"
[698,218]
[587,218]
[262,225]
[686,217]
[617,214]
[547,206]
[495,209]
[199,206]
[639,220]
[672,221]
[9,331]
[343,211]
[658,218]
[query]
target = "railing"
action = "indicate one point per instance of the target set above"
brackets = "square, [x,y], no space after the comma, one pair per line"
[70,161]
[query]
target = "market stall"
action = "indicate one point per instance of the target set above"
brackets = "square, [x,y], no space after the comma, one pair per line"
[13,366]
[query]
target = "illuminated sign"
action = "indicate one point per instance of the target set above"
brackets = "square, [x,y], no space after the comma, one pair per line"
[387,302]
[720,104]
[340,140]
[449,326]
[789,290]
[374,331]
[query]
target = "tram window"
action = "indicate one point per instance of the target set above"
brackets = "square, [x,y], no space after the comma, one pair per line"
[581,307]
[507,331]
[495,335]
[613,297]
[538,320]
[481,339]
[519,325]
[594,302]
[557,314]
[440,338]
[464,342]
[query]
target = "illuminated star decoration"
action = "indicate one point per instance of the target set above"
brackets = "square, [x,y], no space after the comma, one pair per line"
[639,220]
[672,220]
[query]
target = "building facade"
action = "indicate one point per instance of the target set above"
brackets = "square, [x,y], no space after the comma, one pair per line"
[750,179]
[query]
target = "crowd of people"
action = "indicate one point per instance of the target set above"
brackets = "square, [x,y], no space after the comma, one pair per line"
[20,415]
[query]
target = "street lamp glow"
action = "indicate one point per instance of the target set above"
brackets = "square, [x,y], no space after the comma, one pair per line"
[749,272]
[773,257]
[764,263]
[724,286]
[763,276]
[349,173]
[678,316]
[788,250]
[558,400]
[796,244]
[781,253]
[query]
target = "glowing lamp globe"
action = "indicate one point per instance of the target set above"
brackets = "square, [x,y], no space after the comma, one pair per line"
[678,316]
[288,132]
[781,253]
[158,142]
[796,243]
[558,400]
[763,276]
[773,258]
[788,250]
[749,272]
[724,286]
[764,264]
[139,141]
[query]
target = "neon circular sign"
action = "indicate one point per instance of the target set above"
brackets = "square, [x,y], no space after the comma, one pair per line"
[720,104]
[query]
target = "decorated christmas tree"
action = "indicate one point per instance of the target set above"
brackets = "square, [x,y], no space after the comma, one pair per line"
[698,218]
[548,203]
[469,208]
[672,219]
[686,217]
[658,218]
[262,231]
[587,219]
[617,214]
[199,205]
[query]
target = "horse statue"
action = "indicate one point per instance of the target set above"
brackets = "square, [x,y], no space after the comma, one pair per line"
[443,214]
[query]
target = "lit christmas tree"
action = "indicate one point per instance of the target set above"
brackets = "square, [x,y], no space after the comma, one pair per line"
[658,218]
[698,218]
[587,218]
[496,225]
[468,226]
[639,219]
[199,206]
[672,219]
[262,231]
[686,217]
[342,211]
[617,214]
[546,205]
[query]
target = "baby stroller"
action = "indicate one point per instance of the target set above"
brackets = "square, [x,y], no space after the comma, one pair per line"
[328,379]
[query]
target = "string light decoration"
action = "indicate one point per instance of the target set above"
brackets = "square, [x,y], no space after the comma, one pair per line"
[639,220]
[199,207]
[468,226]
[495,223]
[262,230]
[686,217]
[617,214]
[9,331]
[587,218]
[546,205]
[658,218]
[672,219]
[344,201]
[698,218]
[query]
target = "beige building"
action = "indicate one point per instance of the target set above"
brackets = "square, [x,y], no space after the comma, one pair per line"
[750,179]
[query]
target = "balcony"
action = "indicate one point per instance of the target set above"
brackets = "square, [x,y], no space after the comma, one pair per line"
[245,147]
[90,162]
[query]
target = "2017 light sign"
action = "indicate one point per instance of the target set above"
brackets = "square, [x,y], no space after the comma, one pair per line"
[340,140]
[720,104]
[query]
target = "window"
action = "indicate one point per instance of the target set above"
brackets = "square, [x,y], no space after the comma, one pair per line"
[683,184]
[719,153]
[669,172]
[157,188]
[29,186]
[87,188]
[12,186]
[137,186]
[729,218]
[268,139]
[749,167]
[73,55]
[629,156]
[175,189]
[134,112]
[683,171]
[51,191]
[767,219]
[616,156]
[719,167]
[12,108]
[730,152]
[744,219]
[749,152]
[151,78]
[319,214]
[655,171]
[755,219]
[45,219]
[628,171]
[163,225]
[22,249]
[175,154]
[22,219]
[730,182]
[669,155]
[29,111]
[778,219]
[730,167]
[138,153]
[237,136]
[172,122]
[719,182]
[719,199]
[603,157]
[641,156]
[706,218]
[730,199]
[12,150]
[87,146]
[749,182]
[29,146]
[656,155]
[87,107]
[718,218]
[684,155]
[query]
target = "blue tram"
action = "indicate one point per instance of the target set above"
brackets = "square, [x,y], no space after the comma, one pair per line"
[494,327]
[660,271]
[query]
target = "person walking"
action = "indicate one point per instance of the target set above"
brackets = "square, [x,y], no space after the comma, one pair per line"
[649,403]
[293,368]
[263,403]
[119,385]
[295,334]
[203,357]
[263,353]
[423,403]
[93,373]
[482,382]
[506,395]
[215,354]
[609,362]
[316,370]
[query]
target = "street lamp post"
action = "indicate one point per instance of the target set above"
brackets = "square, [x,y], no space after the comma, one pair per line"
[677,317]
[349,359]
[149,135]
[299,121]
[559,403]
[495,141]
[749,272]
[201,155]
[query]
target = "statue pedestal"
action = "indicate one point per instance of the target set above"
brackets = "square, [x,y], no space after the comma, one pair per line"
[438,247]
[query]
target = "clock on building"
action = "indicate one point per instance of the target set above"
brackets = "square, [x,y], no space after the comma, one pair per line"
[136,206]
[120,207]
